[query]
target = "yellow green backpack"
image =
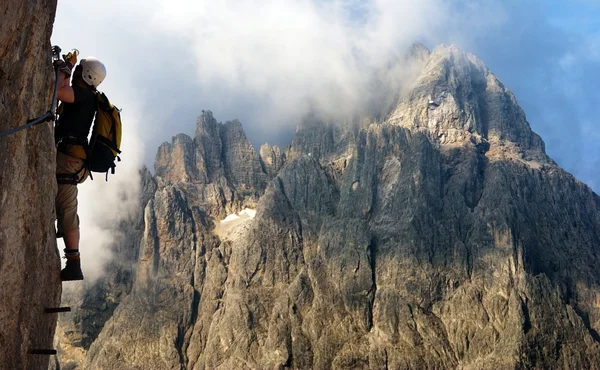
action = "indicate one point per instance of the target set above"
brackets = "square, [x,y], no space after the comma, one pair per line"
[105,141]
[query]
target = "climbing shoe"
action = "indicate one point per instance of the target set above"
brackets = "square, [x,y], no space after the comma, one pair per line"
[72,270]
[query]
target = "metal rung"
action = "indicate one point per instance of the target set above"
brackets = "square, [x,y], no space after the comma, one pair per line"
[37,351]
[57,309]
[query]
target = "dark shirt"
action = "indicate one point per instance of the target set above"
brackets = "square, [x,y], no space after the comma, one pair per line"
[76,118]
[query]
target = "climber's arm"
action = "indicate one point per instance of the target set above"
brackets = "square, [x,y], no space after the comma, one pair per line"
[65,92]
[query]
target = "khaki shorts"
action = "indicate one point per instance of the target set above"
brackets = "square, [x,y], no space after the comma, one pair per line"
[66,198]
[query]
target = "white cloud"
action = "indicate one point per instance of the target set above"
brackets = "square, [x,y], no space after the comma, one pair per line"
[290,55]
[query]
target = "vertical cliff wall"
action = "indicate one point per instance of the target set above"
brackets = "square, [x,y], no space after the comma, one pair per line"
[29,260]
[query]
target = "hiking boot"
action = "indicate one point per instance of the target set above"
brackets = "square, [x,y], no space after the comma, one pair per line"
[72,271]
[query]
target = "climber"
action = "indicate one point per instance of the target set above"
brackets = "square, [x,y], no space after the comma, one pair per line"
[78,106]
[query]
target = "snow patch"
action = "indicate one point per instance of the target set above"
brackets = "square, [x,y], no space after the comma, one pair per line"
[235,223]
[249,212]
[244,214]
[229,218]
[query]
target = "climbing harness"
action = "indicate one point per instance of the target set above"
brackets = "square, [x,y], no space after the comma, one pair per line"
[68,178]
[50,114]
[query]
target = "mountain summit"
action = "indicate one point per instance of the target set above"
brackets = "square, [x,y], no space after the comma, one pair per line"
[457,98]
[441,236]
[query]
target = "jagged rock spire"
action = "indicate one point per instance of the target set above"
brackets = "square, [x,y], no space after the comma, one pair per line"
[457,99]
[219,160]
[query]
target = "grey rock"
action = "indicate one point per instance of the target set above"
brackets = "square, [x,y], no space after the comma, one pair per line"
[457,98]
[272,159]
[208,147]
[175,162]
[418,51]
[219,168]
[242,164]
[322,140]
[223,153]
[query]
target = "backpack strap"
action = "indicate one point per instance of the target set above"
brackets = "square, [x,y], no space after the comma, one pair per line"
[108,143]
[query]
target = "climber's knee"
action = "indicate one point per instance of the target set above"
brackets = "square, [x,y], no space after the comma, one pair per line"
[66,208]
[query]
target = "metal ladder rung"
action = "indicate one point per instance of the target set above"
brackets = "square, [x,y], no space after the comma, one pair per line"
[57,309]
[39,351]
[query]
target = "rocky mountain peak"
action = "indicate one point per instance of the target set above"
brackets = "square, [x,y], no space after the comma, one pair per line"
[418,51]
[456,99]
[272,159]
[205,124]
[219,162]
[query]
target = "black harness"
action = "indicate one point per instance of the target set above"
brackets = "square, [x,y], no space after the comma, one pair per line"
[63,146]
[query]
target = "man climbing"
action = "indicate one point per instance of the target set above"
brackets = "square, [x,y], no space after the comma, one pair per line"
[78,102]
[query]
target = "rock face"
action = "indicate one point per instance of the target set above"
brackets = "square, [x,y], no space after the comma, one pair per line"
[29,261]
[457,98]
[219,166]
[271,159]
[442,237]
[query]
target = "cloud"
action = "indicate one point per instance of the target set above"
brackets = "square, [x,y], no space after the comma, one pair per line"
[267,62]
[287,57]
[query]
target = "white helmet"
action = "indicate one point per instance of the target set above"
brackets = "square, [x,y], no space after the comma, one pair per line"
[93,71]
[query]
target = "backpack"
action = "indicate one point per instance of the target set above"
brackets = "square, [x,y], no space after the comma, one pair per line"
[105,142]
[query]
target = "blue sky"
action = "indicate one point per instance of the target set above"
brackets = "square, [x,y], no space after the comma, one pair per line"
[574,16]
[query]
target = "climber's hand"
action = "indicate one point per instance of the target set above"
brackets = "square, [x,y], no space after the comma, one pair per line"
[58,63]
[63,66]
